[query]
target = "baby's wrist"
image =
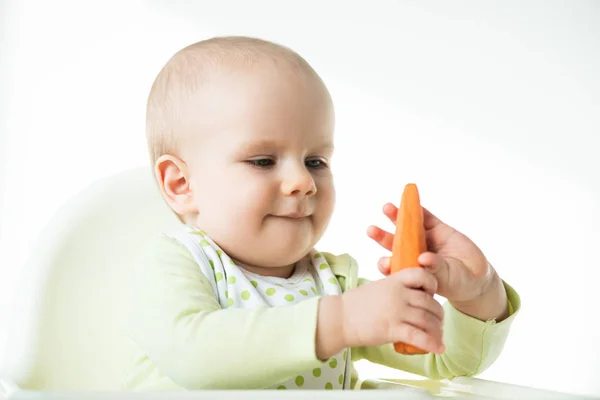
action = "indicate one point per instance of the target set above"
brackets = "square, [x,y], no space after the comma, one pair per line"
[492,303]
[330,339]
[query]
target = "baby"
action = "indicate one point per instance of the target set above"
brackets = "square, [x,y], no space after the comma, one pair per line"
[241,139]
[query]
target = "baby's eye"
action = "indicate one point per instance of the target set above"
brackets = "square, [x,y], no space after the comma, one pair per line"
[315,163]
[262,162]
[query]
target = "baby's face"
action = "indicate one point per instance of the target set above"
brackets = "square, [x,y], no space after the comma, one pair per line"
[259,157]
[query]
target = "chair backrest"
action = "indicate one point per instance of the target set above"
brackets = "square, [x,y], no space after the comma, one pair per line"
[66,333]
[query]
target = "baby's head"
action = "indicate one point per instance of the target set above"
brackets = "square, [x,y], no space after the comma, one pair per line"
[240,133]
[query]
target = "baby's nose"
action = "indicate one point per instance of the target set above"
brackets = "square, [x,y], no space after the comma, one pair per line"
[299,184]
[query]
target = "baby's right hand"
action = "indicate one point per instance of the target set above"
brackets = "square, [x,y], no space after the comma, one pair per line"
[399,308]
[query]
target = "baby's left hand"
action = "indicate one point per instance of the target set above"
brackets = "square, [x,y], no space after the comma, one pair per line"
[464,275]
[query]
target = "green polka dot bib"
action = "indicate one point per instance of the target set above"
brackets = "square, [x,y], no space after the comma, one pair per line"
[235,287]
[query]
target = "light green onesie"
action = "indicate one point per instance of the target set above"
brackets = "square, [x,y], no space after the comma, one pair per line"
[236,287]
[263,335]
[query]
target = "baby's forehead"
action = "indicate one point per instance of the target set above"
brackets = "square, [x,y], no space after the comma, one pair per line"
[217,93]
[238,136]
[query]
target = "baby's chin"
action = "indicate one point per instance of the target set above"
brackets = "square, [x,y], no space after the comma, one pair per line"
[279,251]
[281,254]
[297,237]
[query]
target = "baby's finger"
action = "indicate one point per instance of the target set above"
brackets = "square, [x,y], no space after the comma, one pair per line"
[384,265]
[422,300]
[417,278]
[426,321]
[427,259]
[433,262]
[409,334]
[385,239]
[390,211]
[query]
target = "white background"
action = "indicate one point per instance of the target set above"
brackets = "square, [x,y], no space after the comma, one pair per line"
[493,108]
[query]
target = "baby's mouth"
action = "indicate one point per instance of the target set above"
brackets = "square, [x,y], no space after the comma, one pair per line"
[295,215]
[292,215]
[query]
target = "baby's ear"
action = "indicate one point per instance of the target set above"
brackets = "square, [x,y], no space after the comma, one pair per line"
[172,177]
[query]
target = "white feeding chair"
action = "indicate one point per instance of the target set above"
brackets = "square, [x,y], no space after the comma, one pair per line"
[65,339]
[65,333]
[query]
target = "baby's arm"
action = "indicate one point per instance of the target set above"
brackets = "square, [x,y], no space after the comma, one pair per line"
[178,322]
[472,345]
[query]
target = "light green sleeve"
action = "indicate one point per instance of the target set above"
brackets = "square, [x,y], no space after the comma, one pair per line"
[186,338]
[472,345]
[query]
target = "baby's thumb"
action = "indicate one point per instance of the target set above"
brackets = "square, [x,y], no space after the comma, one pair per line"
[433,263]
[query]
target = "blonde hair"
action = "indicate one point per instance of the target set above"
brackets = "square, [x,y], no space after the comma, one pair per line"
[184,73]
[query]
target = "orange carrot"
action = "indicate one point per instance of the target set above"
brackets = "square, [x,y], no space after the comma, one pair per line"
[409,243]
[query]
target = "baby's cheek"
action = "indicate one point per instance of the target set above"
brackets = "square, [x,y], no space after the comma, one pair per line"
[326,200]
[246,212]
